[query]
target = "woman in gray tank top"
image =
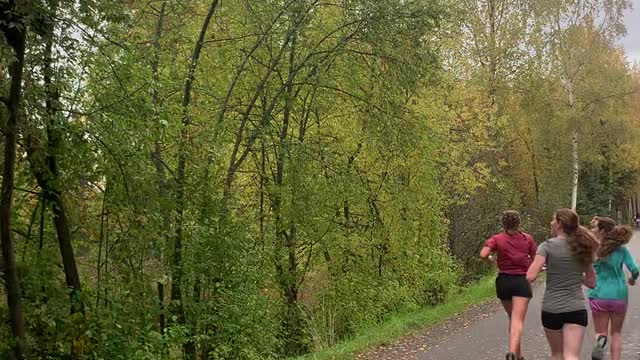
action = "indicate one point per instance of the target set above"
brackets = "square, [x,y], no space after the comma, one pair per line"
[569,257]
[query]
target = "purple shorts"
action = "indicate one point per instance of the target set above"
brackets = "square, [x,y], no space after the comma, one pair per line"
[604,305]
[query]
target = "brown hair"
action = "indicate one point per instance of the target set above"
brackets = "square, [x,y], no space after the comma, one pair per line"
[583,243]
[614,236]
[511,220]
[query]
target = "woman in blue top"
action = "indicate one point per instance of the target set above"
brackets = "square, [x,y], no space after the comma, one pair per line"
[608,300]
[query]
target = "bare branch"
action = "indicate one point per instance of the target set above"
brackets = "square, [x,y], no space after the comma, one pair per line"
[213,41]
[603,98]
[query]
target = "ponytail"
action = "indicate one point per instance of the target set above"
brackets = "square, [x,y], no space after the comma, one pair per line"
[612,240]
[583,243]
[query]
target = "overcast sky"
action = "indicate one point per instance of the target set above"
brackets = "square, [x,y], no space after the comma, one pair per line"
[631,42]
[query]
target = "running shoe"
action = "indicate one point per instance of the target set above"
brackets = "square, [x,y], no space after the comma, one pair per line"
[598,350]
[511,356]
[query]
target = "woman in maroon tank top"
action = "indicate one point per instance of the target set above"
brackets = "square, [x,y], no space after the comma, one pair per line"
[515,250]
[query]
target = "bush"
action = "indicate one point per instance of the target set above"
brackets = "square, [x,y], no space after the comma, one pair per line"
[473,222]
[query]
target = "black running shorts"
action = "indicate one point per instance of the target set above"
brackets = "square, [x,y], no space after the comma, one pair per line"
[509,286]
[555,321]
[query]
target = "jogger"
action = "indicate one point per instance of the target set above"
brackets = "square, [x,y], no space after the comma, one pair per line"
[569,257]
[608,300]
[515,250]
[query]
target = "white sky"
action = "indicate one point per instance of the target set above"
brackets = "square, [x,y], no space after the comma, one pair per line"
[631,42]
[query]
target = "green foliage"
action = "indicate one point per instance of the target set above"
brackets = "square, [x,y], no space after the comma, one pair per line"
[404,324]
[471,227]
[343,163]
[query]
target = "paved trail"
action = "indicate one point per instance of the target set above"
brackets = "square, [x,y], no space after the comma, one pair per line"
[487,338]
[481,333]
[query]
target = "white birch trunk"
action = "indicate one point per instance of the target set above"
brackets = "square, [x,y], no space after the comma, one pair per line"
[574,149]
[576,169]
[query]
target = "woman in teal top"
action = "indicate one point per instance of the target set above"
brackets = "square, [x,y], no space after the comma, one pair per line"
[608,300]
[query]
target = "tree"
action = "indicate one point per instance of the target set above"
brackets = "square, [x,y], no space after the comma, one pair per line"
[567,23]
[43,156]
[14,29]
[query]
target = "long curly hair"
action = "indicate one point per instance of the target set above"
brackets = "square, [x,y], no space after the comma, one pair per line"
[583,243]
[613,236]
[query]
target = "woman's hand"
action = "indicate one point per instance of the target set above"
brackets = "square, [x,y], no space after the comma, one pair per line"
[536,266]
[589,277]
[486,254]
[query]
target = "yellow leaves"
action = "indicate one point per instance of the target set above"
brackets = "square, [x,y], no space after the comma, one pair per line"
[502,163]
[82,344]
[462,127]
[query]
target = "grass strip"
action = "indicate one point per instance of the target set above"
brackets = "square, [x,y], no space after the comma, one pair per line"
[401,325]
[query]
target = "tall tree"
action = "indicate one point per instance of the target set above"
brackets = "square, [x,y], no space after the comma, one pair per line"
[177,260]
[43,152]
[14,29]
[566,22]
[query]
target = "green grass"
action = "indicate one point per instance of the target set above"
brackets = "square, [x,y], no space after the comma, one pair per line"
[402,325]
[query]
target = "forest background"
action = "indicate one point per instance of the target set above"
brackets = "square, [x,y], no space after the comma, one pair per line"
[244,179]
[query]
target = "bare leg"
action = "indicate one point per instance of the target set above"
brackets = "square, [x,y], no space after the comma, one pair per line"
[600,323]
[601,329]
[554,337]
[508,308]
[518,313]
[617,320]
[572,336]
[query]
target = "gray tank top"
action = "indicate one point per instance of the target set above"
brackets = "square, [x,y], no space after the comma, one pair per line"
[564,278]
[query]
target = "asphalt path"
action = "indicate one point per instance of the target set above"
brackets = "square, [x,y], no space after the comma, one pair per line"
[487,339]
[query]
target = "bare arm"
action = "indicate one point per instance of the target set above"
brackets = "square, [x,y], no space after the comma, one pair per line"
[533,248]
[489,247]
[536,266]
[632,266]
[485,252]
[589,277]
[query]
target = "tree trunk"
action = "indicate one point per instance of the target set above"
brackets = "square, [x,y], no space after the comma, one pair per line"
[66,251]
[102,233]
[176,289]
[534,167]
[493,57]
[574,146]
[161,303]
[576,169]
[16,37]
[47,173]
[263,180]
[286,234]
[156,155]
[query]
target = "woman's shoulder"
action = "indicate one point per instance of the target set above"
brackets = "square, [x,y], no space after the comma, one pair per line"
[616,256]
[547,245]
[553,240]
[500,235]
[527,235]
[621,250]
[555,245]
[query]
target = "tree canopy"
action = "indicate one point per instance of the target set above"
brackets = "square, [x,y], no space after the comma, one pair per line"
[243,179]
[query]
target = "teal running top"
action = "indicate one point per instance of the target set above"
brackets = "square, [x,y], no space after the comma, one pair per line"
[611,283]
